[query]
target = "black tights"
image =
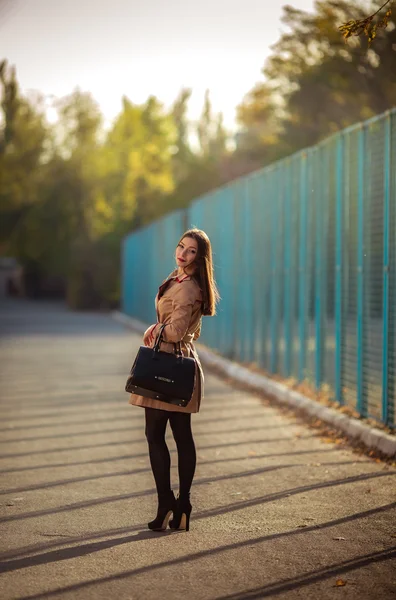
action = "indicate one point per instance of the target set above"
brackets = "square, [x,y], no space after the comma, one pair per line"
[156,422]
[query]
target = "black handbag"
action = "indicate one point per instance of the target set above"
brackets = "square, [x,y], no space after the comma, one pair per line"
[164,376]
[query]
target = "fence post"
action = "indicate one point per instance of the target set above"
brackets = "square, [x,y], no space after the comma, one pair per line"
[248,268]
[265,274]
[256,234]
[287,271]
[339,272]
[319,269]
[386,264]
[237,278]
[361,404]
[227,303]
[302,270]
[274,272]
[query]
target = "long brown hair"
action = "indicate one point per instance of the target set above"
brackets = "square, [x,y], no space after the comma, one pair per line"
[204,274]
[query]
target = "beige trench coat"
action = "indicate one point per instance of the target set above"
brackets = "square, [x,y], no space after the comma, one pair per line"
[179,308]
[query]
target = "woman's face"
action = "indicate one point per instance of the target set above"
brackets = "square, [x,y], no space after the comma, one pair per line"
[186,252]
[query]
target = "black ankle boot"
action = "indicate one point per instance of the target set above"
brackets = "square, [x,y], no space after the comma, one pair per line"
[166,506]
[181,516]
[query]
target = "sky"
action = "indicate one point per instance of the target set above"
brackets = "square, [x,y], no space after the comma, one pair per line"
[113,48]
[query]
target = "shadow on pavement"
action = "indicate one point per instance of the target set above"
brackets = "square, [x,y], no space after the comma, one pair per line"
[270,589]
[60,482]
[172,451]
[237,506]
[131,442]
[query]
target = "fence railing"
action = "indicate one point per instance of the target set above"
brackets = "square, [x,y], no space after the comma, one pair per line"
[305,259]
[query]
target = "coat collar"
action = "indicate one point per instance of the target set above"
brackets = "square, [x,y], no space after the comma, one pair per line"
[165,284]
[182,277]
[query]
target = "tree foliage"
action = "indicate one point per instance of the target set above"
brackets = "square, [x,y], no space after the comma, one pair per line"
[72,190]
[315,84]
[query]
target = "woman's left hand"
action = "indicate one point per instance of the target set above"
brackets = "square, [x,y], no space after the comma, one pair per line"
[149,336]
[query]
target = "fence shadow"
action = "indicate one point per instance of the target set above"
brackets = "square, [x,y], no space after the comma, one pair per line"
[264,591]
[237,506]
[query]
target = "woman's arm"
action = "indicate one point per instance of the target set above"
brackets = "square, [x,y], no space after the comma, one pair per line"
[182,307]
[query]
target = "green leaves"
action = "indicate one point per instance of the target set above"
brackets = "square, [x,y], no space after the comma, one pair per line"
[137,162]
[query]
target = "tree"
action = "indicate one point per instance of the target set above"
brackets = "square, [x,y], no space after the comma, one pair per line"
[23,145]
[9,103]
[260,117]
[79,130]
[183,154]
[338,84]
[319,83]
[205,125]
[218,143]
[73,192]
[198,168]
[138,156]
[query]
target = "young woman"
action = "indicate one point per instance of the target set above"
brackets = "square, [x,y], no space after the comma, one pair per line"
[187,294]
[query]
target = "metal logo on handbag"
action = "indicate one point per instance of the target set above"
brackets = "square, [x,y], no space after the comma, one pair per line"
[165,376]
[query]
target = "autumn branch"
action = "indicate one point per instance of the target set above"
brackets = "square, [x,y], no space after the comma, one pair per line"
[367,26]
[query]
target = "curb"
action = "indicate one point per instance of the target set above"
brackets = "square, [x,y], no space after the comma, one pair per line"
[372,438]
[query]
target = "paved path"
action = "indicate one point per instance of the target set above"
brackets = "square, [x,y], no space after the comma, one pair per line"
[278,513]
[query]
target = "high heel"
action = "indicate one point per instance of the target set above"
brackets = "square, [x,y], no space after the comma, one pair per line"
[166,506]
[181,516]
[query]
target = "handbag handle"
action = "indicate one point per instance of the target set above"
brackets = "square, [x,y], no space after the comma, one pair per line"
[159,339]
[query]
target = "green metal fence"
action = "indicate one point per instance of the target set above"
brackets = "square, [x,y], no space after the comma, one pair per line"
[305,258]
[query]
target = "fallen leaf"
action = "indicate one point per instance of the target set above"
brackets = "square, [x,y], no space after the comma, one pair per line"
[340,582]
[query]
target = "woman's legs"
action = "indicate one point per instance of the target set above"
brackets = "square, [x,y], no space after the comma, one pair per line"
[181,428]
[156,421]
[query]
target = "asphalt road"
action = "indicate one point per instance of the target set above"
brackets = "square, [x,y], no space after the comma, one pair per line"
[277,511]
